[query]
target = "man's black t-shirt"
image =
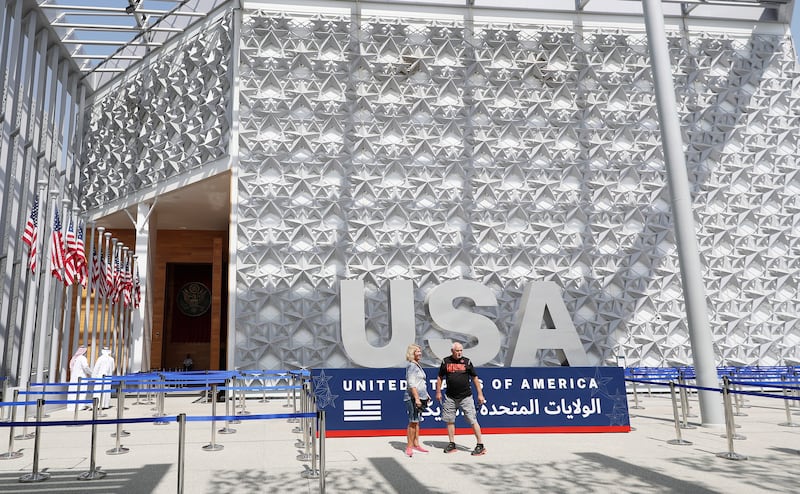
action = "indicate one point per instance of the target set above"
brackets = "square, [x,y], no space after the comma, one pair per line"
[458,374]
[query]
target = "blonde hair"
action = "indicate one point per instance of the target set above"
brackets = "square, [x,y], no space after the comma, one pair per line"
[410,351]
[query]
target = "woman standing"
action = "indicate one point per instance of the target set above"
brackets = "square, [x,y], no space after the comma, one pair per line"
[416,397]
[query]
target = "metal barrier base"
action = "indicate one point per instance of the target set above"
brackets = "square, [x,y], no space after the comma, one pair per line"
[22,437]
[227,430]
[11,455]
[730,455]
[213,447]
[735,436]
[118,451]
[680,442]
[310,474]
[95,474]
[34,477]
[789,424]
[121,434]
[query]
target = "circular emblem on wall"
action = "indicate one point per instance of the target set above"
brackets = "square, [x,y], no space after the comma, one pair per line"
[194,299]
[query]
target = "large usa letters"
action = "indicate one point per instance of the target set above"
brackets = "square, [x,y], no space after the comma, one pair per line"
[541,302]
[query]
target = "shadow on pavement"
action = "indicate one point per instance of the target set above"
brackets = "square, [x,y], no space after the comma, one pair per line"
[122,480]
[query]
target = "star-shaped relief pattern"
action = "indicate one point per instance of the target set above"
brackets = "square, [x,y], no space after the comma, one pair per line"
[397,148]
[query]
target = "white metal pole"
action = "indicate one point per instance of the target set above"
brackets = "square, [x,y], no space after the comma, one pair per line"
[686,236]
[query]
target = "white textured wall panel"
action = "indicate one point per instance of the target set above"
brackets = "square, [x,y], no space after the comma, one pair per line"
[166,118]
[399,149]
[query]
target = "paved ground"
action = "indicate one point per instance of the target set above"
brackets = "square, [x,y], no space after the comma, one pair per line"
[262,457]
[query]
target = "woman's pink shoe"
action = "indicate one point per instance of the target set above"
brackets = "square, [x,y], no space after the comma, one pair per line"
[409,452]
[420,449]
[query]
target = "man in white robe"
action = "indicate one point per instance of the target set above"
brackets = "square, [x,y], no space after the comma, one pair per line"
[103,367]
[78,370]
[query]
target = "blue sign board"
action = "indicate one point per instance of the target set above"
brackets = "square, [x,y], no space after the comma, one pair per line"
[369,402]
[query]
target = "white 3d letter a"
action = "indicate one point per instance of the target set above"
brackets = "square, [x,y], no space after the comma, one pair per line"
[538,296]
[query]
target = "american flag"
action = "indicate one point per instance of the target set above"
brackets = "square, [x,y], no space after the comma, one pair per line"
[116,280]
[137,289]
[127,285]
[70,261]
[80,257]
[361,410]
[109,281]
[98,274]
[57,249]
[31,233]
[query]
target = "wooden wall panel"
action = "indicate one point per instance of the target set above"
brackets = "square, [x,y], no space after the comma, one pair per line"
[185,246]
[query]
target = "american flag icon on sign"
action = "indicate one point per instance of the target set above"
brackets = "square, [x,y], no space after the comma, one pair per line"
[361,410]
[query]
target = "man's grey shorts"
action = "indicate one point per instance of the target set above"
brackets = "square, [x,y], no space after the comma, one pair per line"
[450,406]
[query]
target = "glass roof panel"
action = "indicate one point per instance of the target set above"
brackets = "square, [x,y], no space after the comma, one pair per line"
[105,37]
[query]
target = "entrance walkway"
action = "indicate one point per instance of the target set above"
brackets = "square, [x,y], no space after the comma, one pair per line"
[262,457]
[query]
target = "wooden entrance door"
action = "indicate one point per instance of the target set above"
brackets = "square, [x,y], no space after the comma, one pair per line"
[187,315]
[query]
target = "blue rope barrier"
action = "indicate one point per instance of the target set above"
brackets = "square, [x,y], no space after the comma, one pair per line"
[37,393]
[166,418]
[257,388]
[208,418]
[16,403]
[165,390]
[57,402]
[766,395]
[732,391]
[767,384]
[92,391]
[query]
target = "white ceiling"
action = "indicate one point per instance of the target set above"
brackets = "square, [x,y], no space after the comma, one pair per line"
[204,205]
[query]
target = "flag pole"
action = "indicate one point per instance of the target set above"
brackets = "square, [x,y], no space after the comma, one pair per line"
[26,354]
[87,305]
[119,327]
[126,313]
[45,321]
[60,338]
[76,325]
[109,330]
[98,294]
[107,300]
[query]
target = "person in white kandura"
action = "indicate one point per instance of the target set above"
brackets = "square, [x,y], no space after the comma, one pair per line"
[103,367]
[78,369]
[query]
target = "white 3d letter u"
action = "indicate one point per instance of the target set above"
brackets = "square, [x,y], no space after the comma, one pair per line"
[354,330]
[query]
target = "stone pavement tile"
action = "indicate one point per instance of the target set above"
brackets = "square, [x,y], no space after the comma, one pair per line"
[262,457]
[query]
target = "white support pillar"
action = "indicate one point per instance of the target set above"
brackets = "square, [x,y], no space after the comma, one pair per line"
[688,254]
[141,323]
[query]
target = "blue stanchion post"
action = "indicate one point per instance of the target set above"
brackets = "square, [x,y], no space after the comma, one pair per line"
[181,450]
[322,458]
[213,446]
[11,454]
[36,475]
[227,429]
[118,449]
[786,400]
[94,473]
[230,396]
[25,434]
[729,425]
[678,439]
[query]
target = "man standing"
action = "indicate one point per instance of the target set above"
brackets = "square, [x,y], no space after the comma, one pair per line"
[458,371]
[103,368]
